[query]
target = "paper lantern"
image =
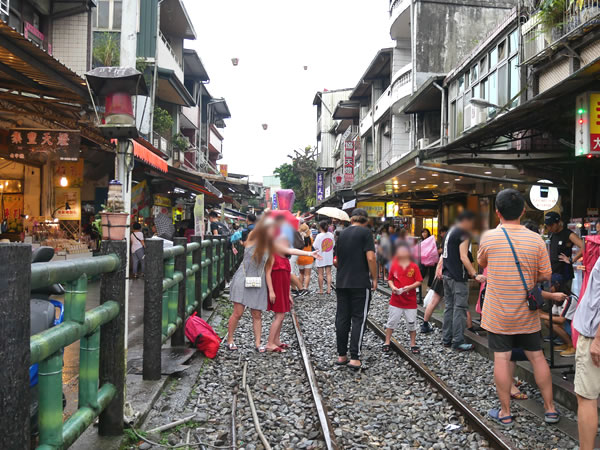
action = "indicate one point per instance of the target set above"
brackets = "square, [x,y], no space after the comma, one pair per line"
[285,199]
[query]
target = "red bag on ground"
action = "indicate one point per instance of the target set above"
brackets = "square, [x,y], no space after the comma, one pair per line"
[201,334]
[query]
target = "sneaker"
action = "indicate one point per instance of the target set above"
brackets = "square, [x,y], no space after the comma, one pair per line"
[557,341]
[568,353]
[426,328]
[463,347]
[560,348]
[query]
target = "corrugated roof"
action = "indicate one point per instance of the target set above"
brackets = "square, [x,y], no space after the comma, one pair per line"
[26,67]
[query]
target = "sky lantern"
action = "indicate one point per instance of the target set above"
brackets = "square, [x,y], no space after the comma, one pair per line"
[265,126]
[235,61]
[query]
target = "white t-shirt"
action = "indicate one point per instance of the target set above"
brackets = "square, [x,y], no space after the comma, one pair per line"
[324,243]
[135,243]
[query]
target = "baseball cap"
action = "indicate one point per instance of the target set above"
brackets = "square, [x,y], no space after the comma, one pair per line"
[551,218]
[359,212]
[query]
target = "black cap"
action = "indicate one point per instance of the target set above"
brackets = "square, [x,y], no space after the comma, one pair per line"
[359,212]
[551,218]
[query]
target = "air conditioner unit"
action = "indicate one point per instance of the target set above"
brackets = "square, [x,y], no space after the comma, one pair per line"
[478,115]
[422,143]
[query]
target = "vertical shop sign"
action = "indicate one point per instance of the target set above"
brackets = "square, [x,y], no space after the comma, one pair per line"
[349,161]
[223,170]
[199,215]
[274,200]
[595,123]
[320,186]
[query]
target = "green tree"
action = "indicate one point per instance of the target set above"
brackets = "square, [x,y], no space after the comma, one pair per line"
[299,175]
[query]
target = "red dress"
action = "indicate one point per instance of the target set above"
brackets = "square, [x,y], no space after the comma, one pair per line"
[280,275]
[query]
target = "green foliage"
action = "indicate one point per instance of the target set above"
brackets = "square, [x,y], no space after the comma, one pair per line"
[107,49]
[551,13]
[143,67]
[162,121]
[180,142]
[299,175]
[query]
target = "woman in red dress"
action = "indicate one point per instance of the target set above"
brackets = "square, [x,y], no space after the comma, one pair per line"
[282,301]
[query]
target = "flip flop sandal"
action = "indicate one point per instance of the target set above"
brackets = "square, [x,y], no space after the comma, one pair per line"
[552,417]
[284,346]
[494,414]
[341,363]
[519,396]
[415,350]
[385,348]
[276,350]
[355,368]
[232,347]
[261,349]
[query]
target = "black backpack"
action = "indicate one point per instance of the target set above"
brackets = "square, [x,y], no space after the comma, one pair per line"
[222,229]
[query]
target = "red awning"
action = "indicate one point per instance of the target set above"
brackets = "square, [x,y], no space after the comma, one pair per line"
[149,157]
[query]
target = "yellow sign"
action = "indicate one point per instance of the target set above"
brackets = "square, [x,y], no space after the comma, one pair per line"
[374,209]
[67,204]
[594,114]
[162,200]
[223,170]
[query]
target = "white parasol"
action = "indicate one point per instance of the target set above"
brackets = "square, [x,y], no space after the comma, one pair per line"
[334,213]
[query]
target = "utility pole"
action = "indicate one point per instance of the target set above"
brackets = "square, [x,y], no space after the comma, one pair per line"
[129,20]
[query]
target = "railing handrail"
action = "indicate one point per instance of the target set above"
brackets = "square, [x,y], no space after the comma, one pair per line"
[166,42]
[48,273]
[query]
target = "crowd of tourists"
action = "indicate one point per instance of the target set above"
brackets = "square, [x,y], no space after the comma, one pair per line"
[517,274]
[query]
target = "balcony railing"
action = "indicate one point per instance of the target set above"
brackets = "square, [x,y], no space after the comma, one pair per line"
[539,39]
[163,144]
[167,57]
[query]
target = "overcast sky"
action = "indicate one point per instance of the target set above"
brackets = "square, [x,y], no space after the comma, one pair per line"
[273,40]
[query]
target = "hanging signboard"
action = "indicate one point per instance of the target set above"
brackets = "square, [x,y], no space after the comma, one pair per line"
[223,170]
[543,197]
[587,124]
[67,204]
[41,145]
[374,209]
[320,186]
[349,161]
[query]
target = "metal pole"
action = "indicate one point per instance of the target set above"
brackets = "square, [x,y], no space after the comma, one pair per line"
[15,260]
[153,309]
[208,304]
[197,259]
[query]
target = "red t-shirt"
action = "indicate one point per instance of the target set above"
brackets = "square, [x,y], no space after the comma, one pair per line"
[401,277]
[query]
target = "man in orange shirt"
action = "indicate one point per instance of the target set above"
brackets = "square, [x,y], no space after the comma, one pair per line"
[506,314]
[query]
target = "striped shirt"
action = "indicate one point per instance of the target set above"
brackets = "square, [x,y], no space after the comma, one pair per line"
[505,309]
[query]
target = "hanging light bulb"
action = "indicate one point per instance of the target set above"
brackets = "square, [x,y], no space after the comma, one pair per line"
[64,182]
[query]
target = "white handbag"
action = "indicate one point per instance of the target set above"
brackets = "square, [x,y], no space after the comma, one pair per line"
[252,282]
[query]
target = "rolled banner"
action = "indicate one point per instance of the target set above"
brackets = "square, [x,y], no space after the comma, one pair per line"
[285,199]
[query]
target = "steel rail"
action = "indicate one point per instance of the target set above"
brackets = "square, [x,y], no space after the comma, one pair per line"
[326,427]
[496,439]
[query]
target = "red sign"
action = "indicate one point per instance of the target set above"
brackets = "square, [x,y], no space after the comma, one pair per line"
[349,161]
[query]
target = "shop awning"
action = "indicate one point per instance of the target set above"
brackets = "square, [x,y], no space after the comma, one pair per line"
[142,151]
[26,67]
[171,89]
[545,111]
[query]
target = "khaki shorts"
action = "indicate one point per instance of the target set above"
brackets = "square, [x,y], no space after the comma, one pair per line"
[395,315]
[587,375]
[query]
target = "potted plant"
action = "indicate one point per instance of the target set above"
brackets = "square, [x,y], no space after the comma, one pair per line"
[551,17]
[113,217]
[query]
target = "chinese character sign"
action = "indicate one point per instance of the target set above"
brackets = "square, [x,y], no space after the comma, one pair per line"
[595,123]
[320,187]
[68,203]
[349,161]
[40,145]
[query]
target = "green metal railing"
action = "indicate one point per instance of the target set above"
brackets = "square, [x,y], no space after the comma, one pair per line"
[101,373]
[192,275]
[178,281]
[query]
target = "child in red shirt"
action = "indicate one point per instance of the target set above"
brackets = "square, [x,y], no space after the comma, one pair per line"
[404,278]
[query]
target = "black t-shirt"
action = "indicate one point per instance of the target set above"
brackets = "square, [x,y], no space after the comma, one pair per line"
[351,248]
[246,232]
[560,243]
[222,230]
[453,266]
